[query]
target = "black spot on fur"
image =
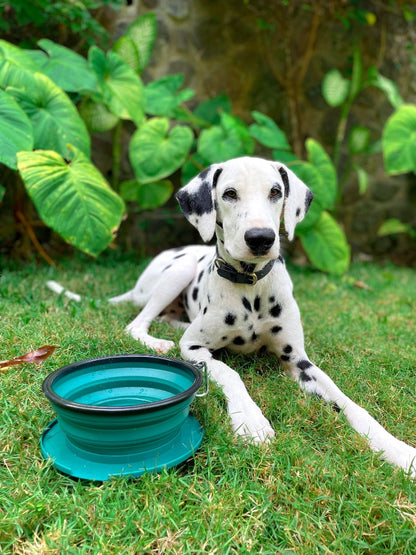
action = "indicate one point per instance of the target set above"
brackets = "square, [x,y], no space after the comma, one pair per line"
[179,256]
[257,302]
[197,203]
[246,303]
[272,299]
[280,259]
[304,364]
[201,273]
[195,347]
[216,176]
[229,319]
[205,310]
[195,293]
[202,258]
[254,336]
[276,329]
[305,377]
[288,349]
[298,212]
[219,224]
[308,200]
[168,266]
[285,179]
[285,358]
[224,338]
[238,340]
[276,310]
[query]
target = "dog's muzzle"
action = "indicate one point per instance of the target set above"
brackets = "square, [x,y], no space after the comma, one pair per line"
[259,240]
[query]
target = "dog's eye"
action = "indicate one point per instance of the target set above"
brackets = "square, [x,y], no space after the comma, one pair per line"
[230,194]
[275,193]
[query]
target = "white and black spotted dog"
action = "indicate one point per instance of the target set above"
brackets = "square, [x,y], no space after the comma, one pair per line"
[238,294]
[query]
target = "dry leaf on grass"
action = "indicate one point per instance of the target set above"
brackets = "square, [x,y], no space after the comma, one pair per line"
[37,357]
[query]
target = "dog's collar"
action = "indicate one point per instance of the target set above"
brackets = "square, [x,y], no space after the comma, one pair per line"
[227,271]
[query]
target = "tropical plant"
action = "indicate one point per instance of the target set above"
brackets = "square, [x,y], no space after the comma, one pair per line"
[51,99]
[340,91]
[399,149]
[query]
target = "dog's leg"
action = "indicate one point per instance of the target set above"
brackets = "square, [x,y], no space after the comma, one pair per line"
[246,417]
[158,289]
[290,349]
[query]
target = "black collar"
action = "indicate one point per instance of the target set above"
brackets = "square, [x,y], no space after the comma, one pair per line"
[227,271]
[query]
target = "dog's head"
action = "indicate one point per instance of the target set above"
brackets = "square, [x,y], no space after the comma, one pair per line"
[245,199]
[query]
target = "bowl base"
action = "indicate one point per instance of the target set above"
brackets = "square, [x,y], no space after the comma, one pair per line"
[82,464]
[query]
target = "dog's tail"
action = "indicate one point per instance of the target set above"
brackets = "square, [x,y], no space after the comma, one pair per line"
[60,290]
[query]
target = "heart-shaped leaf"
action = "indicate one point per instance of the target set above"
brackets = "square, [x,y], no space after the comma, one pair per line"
[326,245]
[72,197]
[228,140]
[156,152]
[16,132]
[163,95]
[266,132]
[54,118]
[399,140]
[121,88]
[67,69]
[335,88]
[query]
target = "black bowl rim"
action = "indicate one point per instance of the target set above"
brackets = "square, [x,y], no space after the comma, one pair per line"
[127,409]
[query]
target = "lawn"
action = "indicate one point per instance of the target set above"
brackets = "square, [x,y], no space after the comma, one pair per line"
[316,488]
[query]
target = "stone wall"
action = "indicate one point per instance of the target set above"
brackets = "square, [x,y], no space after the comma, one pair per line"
[270,57]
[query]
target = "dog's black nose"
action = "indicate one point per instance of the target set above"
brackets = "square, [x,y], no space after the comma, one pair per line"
[259,239]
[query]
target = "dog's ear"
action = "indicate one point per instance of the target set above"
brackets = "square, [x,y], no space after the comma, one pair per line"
[298,198]
[197,201]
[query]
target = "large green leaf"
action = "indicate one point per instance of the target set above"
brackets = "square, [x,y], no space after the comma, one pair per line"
[72,197]
[335,88]
[143,33]
[399,140]
[266,132]
[121,88]
[310,175]
[326,190]
[156,152]
[228,140]
[326,245]
[163,95]
[54,117]
[128,52]
[16,132]
[16,67]
[67,69]
[147,195]
[210,110]
[97,116]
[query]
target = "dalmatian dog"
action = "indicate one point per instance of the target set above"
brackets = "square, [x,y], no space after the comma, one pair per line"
[238,293]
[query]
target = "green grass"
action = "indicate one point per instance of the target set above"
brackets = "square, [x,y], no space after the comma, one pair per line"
[316,488]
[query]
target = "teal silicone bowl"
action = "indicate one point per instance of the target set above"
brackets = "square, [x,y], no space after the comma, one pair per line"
[121,415]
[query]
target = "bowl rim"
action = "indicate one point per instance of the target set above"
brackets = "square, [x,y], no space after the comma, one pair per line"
[47,385]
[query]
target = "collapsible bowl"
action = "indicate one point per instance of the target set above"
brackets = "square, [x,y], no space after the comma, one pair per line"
[121,415]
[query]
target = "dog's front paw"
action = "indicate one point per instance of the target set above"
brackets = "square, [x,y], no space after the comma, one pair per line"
[162,346]
[252,424]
